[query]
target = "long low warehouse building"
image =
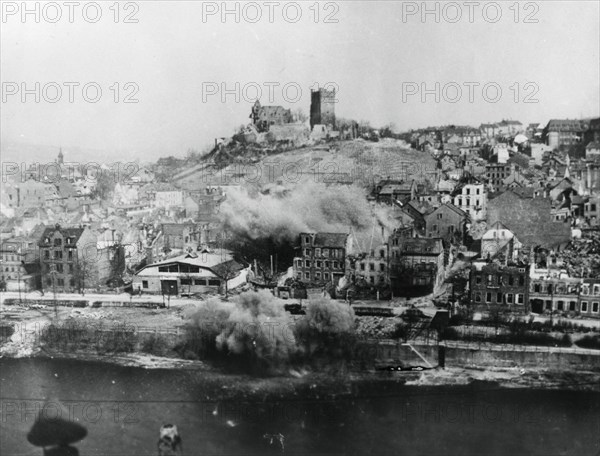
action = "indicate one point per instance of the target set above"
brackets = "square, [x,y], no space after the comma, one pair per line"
[191,273]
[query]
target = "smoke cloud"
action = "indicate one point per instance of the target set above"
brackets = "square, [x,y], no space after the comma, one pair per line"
[256,327]
[281,213]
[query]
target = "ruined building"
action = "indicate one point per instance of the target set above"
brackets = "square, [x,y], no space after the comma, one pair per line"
[322,108]
[265,116]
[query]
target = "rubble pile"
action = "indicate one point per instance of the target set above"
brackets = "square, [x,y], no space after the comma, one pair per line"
[582,257]
[378,327]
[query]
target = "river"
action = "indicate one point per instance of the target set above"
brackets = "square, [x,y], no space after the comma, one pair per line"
[123,408]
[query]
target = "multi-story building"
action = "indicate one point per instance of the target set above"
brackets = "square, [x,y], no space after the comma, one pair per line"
[589,298]
[494,284]
[496,173]
[447,222]
[564,132]
[68,259]
[322,257]
[18,267]
[472,199]
[416,265]
[372,266]
[552,290]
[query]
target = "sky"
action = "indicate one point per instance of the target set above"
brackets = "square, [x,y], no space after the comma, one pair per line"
[529,62]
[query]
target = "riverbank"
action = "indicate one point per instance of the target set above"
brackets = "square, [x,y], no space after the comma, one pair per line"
[493,365]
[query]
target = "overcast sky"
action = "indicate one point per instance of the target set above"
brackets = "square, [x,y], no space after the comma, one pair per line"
[374,54]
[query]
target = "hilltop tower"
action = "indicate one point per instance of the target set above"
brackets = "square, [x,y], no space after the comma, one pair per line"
[61,157]
[322,107]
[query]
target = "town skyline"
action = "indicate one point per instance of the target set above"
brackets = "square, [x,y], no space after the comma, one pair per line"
[175,112]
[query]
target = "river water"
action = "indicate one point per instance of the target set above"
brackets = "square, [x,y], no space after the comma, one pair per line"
[123,408]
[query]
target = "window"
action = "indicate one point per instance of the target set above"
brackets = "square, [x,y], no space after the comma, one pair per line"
[214,282]
[327,264]
[490,279]
[536,288]
[371,266]
[498,297]
[70,254]
[47,254]
[198,281]
[572,306]
[520,298]
[307,239]
[60,282]
[548,304]
[595,307]
[307,263]
[596,289]
[521,280]
[317,252]
[58,255]
[318,275]
[585,290]
[478,279]
[318,264]
[57,242]
[439,216]
[326,276]
[186,281]
[326,253]
[488,297]
[382,253]
[307,275]
[511,280]
[144,284]
[306,252]
[477,297]
[382,267]
[561,305]
[59,268]
[509,298]
[362,266]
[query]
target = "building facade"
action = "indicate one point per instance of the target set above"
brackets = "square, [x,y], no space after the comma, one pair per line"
[322,257]
[494,284]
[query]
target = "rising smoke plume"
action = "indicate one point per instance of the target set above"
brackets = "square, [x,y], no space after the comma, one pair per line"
[308,206]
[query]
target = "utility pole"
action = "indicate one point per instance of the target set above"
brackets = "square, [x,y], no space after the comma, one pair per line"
[53,274]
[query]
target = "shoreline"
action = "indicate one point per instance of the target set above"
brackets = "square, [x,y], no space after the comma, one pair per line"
[348,382]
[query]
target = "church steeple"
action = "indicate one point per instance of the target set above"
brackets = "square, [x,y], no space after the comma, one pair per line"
[60,157]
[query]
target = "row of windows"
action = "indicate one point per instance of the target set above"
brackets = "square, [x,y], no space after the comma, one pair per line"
[501,298]
[572,306]
[372,267]
[506,280]
[58,254]
[335,253]
[203,282]
[184,268]
[562,288]
[319,264]
[60,282]
[318,276]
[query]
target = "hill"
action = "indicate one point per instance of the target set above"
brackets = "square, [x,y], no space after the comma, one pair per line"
[339,162]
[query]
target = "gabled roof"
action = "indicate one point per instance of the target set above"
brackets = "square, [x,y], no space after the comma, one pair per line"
[74,233]
[451,207]
[336,240]
[593,145]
